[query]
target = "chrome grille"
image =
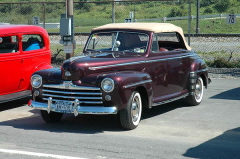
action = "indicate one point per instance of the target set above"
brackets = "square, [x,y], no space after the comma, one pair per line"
[88,96]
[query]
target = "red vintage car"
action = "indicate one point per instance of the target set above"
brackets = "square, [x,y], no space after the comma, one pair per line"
[24,49]
[126,67]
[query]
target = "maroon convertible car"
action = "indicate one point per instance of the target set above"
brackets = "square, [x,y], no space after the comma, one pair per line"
[126,67]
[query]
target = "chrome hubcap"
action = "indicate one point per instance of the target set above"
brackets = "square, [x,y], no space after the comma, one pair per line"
[135,109]
[198,90]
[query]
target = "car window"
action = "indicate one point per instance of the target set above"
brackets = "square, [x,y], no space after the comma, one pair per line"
[32,42]
[8,44]
[166,41]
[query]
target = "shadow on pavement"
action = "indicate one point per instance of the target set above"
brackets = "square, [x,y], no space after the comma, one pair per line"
[14,104]
[233,94]
[86,124]
[161,109]
[225,146]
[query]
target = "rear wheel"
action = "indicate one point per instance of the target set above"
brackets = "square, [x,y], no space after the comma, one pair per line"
[196,97]
[131,115]
[51,117]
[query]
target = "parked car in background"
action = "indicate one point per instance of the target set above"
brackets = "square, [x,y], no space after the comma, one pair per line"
[24,49]
[126,67]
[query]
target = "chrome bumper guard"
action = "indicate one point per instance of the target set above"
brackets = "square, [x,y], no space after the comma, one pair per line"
[76,108]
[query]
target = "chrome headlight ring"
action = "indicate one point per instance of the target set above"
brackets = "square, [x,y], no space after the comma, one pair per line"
[36,81]
[107,85]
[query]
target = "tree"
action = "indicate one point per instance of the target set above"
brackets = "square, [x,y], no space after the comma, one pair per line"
[5,8]
[222,5]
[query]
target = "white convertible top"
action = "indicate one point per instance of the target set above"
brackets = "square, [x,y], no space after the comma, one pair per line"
[154,27]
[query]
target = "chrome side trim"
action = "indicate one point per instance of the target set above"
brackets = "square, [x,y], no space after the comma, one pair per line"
[137,83]
[69,85]
[139,62]
[77,109]
[170,100]
[116,65]
[158,60]
[70,97]
[86,102]
[72,93]
[172,58]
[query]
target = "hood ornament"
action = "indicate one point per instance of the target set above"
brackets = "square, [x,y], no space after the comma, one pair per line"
[67,84]
[67,73]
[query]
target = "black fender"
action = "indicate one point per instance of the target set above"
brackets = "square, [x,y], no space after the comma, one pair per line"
[52,74]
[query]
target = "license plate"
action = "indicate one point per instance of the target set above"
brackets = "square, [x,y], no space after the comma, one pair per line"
[64,106]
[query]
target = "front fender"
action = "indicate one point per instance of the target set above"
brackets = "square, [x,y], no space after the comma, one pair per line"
[125,83]
[51,74]
[42,66]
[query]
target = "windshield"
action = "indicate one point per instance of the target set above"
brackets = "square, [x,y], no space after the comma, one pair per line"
[118,41]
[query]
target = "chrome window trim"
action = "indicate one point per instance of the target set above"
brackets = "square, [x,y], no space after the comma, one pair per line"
[137,83]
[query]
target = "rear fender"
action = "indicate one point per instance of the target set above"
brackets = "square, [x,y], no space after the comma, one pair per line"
[198,69]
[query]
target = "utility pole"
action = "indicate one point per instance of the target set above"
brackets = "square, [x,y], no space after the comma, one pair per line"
[197,18]
[44,15]
[69,14]
[189,21]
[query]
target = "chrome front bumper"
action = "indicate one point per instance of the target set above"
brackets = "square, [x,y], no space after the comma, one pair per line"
[76,108]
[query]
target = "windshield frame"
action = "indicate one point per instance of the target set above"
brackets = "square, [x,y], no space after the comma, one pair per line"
[114,41]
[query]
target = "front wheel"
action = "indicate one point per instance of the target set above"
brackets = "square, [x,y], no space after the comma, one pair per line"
[131,115]
[51,117]
[196,97]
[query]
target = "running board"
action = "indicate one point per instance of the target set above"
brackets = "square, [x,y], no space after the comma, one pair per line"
[170,100]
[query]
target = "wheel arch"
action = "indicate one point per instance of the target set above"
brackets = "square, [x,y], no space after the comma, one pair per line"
[205,79]
[199,69]
[144,96]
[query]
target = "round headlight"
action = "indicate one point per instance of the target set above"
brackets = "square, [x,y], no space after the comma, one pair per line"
[107,84]
[36,81]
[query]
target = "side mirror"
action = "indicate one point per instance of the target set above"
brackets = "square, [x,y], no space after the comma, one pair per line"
[1,40]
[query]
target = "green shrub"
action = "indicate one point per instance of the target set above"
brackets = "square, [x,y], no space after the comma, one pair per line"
[178,11]
[209,10]
[223,63]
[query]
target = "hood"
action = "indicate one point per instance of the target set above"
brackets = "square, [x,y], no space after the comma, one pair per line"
[77,67]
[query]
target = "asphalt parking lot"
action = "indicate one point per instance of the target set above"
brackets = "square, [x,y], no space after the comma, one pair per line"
[175,130]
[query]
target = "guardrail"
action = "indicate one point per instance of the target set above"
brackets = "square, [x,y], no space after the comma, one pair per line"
[164,19]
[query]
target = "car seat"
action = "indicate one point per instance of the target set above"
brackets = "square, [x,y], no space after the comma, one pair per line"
[33,44]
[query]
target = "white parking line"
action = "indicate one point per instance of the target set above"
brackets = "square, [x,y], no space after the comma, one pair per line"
[37,154]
